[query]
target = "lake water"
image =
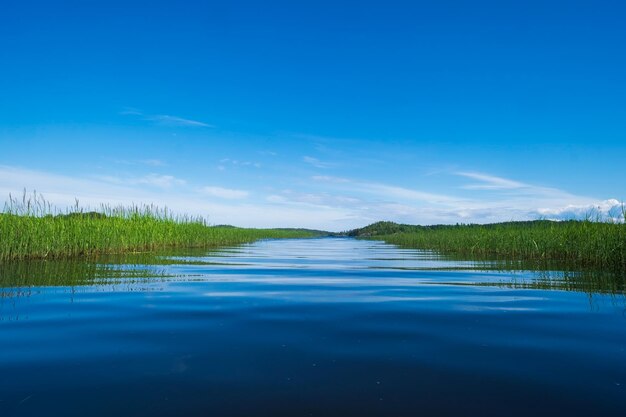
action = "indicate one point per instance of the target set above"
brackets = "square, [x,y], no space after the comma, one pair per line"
[317,327]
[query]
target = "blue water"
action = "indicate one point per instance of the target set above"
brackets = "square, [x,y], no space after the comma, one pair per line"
[319,327]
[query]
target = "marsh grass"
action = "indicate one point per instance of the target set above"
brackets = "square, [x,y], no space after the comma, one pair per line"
[30,228]
[575,244]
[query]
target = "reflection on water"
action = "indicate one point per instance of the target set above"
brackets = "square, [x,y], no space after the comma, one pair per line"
[17,278]
[309,327]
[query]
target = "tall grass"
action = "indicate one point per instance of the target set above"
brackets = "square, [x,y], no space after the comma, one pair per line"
[593,244]
[30,228]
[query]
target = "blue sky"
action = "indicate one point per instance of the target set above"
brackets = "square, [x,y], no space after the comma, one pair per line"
[317,114]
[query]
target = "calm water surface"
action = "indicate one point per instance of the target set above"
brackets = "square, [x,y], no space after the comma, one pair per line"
[319,327]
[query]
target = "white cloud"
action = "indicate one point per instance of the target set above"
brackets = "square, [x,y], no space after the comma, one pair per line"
[164,119]
[153,162]
[505,200]
[275,198]
[387,191]
[490,182]
[226,193]
[237,163]
[390,191]
[328,178]
[148,162]
[169,120]
[316,162]
[314,199]
[610,209]
[62,190]
[154,180]
[162,181]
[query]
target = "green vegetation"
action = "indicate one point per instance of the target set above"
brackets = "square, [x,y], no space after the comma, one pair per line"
[29,229]
[580,244]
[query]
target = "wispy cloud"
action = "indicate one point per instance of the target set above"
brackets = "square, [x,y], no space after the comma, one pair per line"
[165,119]
[519,191]
[153,162]
[154,180]
[391,191]
[329,178]
[316,162]
[169,120]
[162,181]
[226,193]
[148,162]
[387,191]
[314,199]
[504,200]
[237,162]
[490,182]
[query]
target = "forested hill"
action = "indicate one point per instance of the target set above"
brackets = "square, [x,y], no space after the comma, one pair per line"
[389,228]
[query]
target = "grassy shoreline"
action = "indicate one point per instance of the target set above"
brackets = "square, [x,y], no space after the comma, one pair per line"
[29,230]
[580,244]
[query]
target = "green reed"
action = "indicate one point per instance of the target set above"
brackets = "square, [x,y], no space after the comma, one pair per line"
[30,228]
[592,244]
